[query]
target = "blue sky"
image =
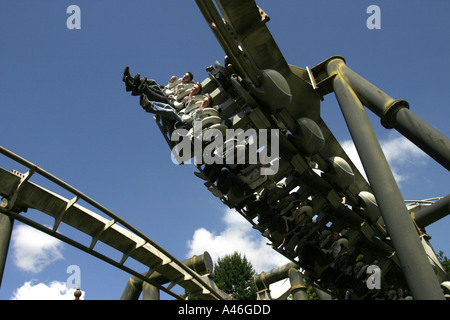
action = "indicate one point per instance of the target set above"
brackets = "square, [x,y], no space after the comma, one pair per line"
[64,108]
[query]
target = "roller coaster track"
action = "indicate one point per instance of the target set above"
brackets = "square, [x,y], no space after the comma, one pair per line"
[19,195]
[258,89]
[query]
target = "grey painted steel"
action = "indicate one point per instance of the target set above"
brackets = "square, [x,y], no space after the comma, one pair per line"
[150,292]
[321,294]
[6,226]
[264,279]
[414,262]
[201,264]
[433,213]
[298,287]
[250,33]
[129,241]
[136,286]
[396,114]
[133,289]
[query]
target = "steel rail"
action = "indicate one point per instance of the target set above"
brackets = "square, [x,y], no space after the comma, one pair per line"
[64,185]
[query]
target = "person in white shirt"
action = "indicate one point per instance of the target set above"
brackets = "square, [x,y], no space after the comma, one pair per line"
[179,87]
[168,110]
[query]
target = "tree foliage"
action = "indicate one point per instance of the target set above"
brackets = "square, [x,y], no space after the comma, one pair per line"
[444,261]
[233,274]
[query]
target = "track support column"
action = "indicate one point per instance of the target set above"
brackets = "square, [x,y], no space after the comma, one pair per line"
[417,270]
[6,226]
[298,287]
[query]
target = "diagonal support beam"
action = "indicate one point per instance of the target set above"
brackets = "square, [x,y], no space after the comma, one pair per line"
[413,259]
[397,115]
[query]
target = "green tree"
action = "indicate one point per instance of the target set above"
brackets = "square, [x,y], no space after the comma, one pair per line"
[444,261]
[312,295]
[233,274]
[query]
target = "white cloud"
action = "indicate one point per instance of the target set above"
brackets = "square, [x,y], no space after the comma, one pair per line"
[239,236]
[33,249]
[54,291]
[399,152]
